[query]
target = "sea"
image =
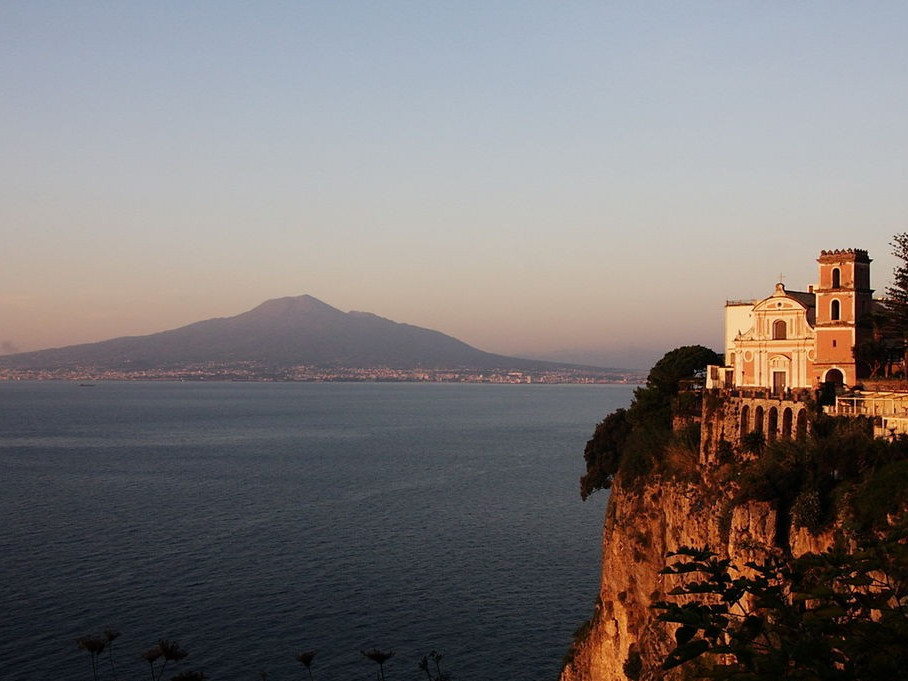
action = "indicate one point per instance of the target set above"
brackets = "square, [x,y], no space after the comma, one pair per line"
[250,522]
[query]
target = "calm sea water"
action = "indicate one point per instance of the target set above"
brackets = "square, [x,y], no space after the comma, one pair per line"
[253,521]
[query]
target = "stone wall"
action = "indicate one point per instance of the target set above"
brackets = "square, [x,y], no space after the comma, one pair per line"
[729,415]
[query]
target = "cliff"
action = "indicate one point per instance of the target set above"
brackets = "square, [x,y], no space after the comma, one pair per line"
[699,496]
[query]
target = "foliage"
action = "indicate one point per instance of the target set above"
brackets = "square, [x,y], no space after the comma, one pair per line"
[725,451]
[840,467]
[882,494]
[833,616]
[753,442]
[681,363]
[807,510]
[839,615]
[379,657]
[603,452]
[897,291]
[633,665]
[95,645]
[305,658]
[776,475]
[435,659]
[168,651]
[630,440]
[689,436]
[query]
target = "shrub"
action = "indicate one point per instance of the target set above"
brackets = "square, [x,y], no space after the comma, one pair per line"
[633,665]
[632,442]
[603,452]
[881,494]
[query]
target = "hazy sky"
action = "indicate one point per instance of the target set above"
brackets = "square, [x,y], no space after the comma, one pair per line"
[527,176]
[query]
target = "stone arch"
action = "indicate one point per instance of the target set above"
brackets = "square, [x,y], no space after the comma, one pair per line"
[758,419]
[835,376]
[801,428]
[745,420]
[772,425]
[786,423]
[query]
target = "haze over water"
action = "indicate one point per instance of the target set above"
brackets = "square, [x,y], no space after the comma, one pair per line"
[253,521]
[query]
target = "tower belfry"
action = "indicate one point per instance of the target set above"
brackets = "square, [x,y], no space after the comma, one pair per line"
[843,297]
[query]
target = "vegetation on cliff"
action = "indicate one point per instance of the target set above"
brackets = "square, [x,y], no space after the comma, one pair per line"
[769,611]
[839,473]
[631,440]
[897,292]
[841,615]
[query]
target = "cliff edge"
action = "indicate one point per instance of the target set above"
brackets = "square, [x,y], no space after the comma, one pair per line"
[747,475]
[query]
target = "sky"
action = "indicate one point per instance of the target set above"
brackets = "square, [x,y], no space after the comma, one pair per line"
[581,180]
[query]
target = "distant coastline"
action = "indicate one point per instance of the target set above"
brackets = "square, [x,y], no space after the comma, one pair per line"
[250,372]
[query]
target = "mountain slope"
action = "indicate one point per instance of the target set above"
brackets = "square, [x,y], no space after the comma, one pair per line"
[281,332]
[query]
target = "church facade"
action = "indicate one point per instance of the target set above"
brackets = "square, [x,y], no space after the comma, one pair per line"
[794,340]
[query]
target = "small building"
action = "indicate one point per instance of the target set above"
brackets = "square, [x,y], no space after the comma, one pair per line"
[794,340]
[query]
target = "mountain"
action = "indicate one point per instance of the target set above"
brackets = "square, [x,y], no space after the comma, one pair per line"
[280,333]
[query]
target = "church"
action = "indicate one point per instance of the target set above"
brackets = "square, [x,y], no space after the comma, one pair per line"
[794,340]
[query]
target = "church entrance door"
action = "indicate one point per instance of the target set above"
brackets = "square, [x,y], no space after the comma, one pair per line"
[778,382]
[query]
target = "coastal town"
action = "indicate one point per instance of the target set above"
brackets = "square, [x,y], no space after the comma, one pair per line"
[251,371]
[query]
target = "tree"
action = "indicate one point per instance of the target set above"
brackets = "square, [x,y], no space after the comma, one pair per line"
[627,440]
[897,292]
[839,615]
[603,452]
[684,363]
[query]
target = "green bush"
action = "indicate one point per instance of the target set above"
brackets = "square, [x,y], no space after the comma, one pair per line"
[883,493]
[807,509]
[841,465]
[631,442]
[603,452]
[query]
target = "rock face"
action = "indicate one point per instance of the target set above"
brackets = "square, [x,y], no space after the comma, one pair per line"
[645,522]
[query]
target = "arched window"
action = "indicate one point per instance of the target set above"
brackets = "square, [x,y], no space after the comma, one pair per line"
[835,310]
[786,423]
[836,278]
[802,424]
[772,428]
[779,330]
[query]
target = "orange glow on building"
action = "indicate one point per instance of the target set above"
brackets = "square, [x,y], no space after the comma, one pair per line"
[799,339]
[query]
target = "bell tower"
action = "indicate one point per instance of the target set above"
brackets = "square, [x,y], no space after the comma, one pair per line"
[843,298]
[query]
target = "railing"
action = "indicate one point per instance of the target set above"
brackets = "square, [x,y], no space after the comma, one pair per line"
[889,410]
[871,404]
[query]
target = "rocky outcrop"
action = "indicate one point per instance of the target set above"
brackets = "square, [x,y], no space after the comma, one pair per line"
[643,523]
